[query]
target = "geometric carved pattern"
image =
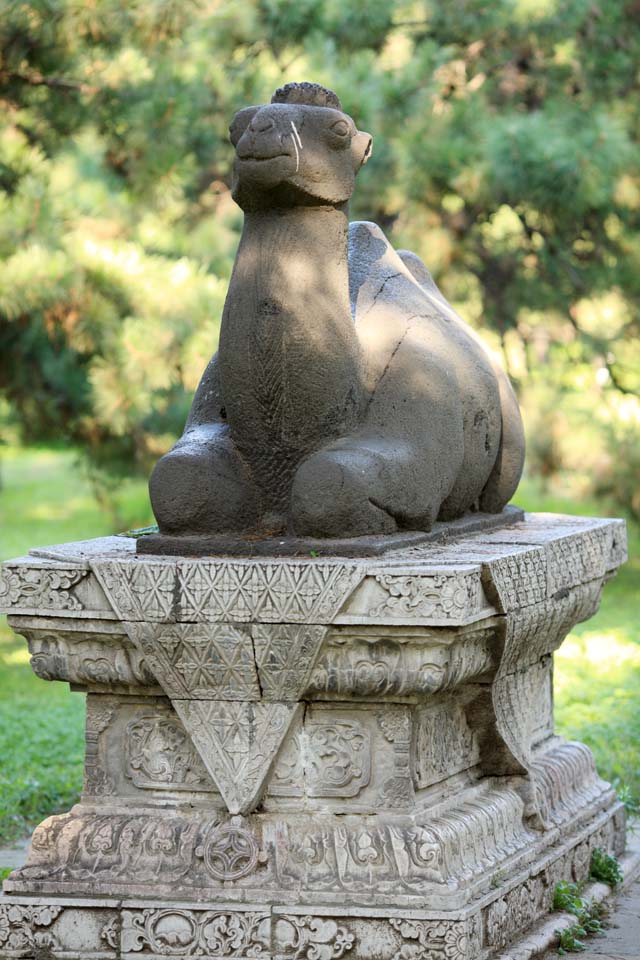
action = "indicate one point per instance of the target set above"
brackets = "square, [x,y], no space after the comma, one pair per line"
[286,654]
[238,743]
[138,591]
[267,591]
[205,661]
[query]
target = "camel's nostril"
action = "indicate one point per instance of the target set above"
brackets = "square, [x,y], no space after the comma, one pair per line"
[261,124]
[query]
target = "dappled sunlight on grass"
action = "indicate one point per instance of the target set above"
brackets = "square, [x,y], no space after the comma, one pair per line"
[609,651]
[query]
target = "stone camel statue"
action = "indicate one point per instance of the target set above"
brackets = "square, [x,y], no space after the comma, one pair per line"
[346,398]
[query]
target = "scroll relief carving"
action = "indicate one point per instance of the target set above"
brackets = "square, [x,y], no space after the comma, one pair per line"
[449,595]
[188,933]
[442,596]
[509,915]
[161,756]
[314,938]
[438,940]
[339,758]
[39,588]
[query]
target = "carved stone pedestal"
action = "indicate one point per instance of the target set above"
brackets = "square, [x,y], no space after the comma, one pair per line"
[312,757]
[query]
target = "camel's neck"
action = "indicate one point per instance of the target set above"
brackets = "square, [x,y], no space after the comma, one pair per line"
[289,357]
[293,254]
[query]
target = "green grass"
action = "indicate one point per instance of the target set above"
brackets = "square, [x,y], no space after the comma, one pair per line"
[46,498]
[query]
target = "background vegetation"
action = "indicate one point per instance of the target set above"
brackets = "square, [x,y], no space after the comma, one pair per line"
[506,153]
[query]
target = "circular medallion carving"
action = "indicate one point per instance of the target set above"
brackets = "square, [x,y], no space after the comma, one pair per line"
[172,932]
[231,853]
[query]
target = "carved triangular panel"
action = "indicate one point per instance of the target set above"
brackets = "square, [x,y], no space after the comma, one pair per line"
[266,591]
[202,661]
[286,655]
[238,743]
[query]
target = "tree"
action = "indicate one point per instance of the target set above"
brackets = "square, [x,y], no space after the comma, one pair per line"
[505,153]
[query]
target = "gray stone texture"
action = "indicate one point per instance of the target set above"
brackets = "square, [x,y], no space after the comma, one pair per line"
[347,398]
[315,757]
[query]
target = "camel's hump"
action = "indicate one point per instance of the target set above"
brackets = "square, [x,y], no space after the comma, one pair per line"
[373,262]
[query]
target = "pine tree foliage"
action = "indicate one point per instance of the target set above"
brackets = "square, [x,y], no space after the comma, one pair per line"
[505,153]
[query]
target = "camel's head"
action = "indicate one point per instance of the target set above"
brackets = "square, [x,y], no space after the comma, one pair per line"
[299,149]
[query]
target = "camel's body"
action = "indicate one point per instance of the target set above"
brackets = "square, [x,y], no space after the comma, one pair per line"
[347,397]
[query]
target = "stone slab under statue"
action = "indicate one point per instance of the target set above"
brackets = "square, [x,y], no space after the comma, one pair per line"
[320,699]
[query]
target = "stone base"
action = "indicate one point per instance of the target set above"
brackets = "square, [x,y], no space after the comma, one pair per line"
[125,928]
[311,758]
[285,546]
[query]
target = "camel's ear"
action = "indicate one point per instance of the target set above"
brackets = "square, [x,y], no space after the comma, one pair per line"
[361,149]
[240,123]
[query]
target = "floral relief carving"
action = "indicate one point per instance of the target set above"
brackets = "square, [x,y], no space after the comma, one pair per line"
[438,940]
[442,596]
[110,932]
[397,790]
[509,915]
[444,744]
[23,927]
[187,933]
[46,588]
[311,938]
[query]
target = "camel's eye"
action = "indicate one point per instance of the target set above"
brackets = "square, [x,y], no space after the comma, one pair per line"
[340,127]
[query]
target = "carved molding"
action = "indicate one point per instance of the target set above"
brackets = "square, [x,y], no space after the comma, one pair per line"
[103,660]
[39,588]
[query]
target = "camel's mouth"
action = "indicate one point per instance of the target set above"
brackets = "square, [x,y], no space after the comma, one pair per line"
[252,158]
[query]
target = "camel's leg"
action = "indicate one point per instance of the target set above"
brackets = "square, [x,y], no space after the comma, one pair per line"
[364,486]
[507,470]
[202,486]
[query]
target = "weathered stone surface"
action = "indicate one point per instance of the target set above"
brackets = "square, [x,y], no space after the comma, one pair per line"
[306,758]
[347,398]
